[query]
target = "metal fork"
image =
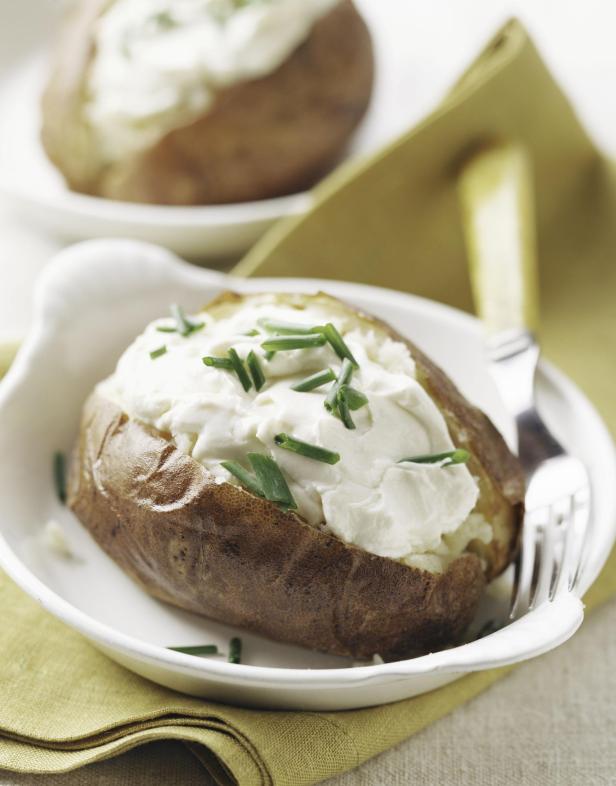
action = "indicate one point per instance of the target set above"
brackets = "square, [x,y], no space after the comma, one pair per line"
[496,197]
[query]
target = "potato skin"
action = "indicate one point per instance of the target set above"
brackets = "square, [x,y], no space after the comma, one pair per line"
[217,550]
[263,138]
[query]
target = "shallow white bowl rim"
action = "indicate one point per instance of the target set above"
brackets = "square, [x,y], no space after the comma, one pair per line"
[549,627]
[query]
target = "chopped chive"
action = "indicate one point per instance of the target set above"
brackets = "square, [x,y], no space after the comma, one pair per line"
[338,344]
[458,456]
[59,475]
[214,362]
[235,650]
[165,329]
[245,478]
[306,449]
[355,398]
[184,326]
[330,398]
[156,353]
[239,369]
[203,649]
[253,332]
[271,480]
[269,354]
[164,20]
[300,341]
[256,372]
[286,328]
[314,381]
[342,404]
[344,377]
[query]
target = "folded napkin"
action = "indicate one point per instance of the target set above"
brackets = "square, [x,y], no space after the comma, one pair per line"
[391,220]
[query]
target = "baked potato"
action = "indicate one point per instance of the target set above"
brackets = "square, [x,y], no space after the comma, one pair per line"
[256,137]
[327,567]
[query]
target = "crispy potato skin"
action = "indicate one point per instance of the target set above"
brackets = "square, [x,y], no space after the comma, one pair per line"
[217,550]
[222,552]
[263,138]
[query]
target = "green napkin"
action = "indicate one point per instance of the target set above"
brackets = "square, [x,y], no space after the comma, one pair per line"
[7,353]
[393,221]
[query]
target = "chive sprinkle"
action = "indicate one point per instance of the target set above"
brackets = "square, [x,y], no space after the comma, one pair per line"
[256,372]
[166,329]
[252,332]
[269,355]
[203,649]
[344,377]
[245,478]
[184,326]
[164,20]
[355,398]
[235,650]
[286,328]
[314,381]
[344,411]
[239,369]
[59,475]
[156,353]
[300,341]
[458,456]
[215,362]
[271,480]
[306,449]
[337,343]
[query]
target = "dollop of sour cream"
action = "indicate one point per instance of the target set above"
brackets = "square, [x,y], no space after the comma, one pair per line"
[417,513]
[159,63]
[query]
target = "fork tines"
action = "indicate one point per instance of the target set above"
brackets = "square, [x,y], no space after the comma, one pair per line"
[552,551]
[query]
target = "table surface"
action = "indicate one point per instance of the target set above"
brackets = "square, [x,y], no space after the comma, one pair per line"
[552,720]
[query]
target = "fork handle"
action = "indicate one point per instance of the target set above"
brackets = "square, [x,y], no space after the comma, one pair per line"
[495,191]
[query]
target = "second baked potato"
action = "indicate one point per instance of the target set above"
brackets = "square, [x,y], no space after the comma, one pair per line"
[260,136]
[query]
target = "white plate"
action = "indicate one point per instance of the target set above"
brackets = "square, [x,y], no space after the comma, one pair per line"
[32,184]
[91,301]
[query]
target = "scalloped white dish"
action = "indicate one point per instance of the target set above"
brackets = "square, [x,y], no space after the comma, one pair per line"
[91,301]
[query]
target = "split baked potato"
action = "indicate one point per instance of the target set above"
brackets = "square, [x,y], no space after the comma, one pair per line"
[264,137]
[210,545]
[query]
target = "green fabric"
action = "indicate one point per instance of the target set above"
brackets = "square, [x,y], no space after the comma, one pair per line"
[7,353]
[393,221]
[64,705]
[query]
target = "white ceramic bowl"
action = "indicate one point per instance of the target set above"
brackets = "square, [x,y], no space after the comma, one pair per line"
[91,301]
[214,233]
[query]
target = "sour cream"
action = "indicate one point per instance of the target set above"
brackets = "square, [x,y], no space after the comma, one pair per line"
[418,513]
[159,63]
